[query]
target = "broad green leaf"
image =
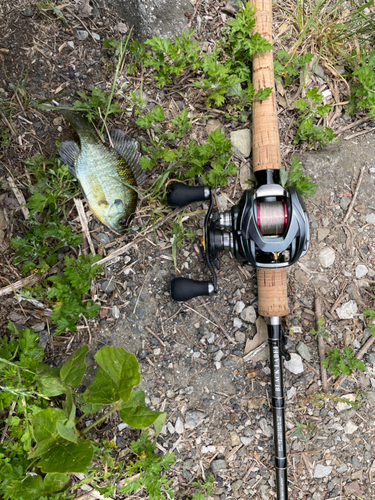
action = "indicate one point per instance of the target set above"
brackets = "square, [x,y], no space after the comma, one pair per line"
[55,482]
[122,367]
[159,422]
[45,429]
[50,386]
[103,390]
[68,457]
[32,488]
[67,430]
[73,370]
[136,414]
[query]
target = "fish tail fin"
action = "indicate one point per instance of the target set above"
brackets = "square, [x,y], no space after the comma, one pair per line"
[128,149]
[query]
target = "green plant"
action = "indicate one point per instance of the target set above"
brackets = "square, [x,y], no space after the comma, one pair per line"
[319,397]
[370,314]
[304,431]
[311,108]
[4,137]
[45,8]
[290,68]
[321,329]
[294,177]
[342,362]
[149,466]
[96,104]
[207,487]
[47,439]
[178,235]
[363,87]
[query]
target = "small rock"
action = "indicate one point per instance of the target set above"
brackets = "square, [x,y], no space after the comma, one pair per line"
[171,428]
[38,327]
[122,426]
[322,471]
[239,307]
[179,426]
[353,489]
[222,203]
[240,336]
[266,428]
[319,71]
[44,337]
[81,35]
[115,312]
[317,496]
[350,427]
[327,257]
[241,141]
[219,356]
[236,485]
[103,237]
[192,419]
[347,310]
[157,351]
[188,464]
[291,392]
[218,465]
[345,202]
[295,364]
[234,438]
[246,440]
[360,271]
[249,315]
[28,12]
[211,338]
[370,218]
[344,406]
[107,286]
[303,350]
[371,398]
[217,365]
[237,323]
[264,492]
[95,36]
[70,45]
[212,125]
[322,233]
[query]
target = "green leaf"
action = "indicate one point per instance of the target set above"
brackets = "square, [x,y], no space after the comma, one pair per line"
[32,488]
[55,482]
[103,390]
[122,367]
[45,429]
[136,414]
[68,457]
[50,386]
[67,430]
[73,370]
[159,422]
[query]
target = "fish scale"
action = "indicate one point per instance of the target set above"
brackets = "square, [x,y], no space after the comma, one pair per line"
[103,172]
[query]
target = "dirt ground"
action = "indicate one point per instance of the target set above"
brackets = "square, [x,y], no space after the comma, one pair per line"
[192,354]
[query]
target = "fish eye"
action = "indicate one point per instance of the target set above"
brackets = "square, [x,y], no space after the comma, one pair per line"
[122,222]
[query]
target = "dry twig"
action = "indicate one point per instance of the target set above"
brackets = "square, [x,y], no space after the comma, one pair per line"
[84,223]
[29,281]
[323,371]
[350,208]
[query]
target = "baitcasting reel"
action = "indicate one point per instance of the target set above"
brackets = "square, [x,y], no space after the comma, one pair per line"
[268,228]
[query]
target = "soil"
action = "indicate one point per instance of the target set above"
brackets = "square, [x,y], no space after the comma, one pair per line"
[192,354]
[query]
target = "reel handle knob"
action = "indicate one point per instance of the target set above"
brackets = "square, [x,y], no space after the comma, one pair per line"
[180,195]
[185,289]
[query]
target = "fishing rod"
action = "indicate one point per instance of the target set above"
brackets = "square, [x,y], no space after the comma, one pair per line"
[268,229]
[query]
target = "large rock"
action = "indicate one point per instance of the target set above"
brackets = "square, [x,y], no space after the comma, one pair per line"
[165,18]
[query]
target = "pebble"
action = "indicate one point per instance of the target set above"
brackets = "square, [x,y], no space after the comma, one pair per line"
[236,485]
[218,465]
[115,312]
[28,12]
[345,202]
[179,426]
[96,36]
[217,365]
[240,337]
[211,338]
[246,440]
[241,141]
[249,315]
[38,327]
[219,356]
[322,233]
[303,350]
[234,438]
[266,428]
[43,338]
[212,125]
[370,219]
[239,307]
[295,364]
[122,426]
[192,419]
[322,471]
[371,398]
[343,406]
[350,427]
[237,323]
[70,45]
[103,237]
[81,35]
[347,310]
[327,257]
[291,392]
[157,351]
[171,428]
[107,287]
[361,271]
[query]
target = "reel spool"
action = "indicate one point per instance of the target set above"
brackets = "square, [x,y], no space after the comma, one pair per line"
[267,229]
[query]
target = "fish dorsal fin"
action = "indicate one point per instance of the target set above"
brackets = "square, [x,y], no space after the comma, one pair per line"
[128,149]
[69,152]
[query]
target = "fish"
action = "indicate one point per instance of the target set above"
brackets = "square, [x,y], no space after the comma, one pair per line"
[105,174]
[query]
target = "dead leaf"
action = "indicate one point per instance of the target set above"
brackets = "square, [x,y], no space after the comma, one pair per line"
[18,318]
[249,374]
[260,337]
[353,489]
[103,311]
[85,9]
[121,28]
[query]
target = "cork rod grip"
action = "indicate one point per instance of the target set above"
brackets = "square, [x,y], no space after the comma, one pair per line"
[272,283]
[266,146]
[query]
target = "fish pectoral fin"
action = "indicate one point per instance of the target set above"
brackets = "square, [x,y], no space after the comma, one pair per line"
[127,147]
[69,152]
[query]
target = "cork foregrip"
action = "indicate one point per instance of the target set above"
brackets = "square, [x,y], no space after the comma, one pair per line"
[272,283]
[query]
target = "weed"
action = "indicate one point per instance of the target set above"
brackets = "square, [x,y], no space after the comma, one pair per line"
[370,314]
[177,236]
[318,398]
[311,108]
[363,88]
[342,362]
[290,69]
[321,329]
[294,177]
[96,104]
[304,431]
[47,442]
[207,487]
[4,138]
[46,8]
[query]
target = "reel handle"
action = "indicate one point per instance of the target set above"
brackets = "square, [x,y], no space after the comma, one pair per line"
[180,195]
[185,289]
